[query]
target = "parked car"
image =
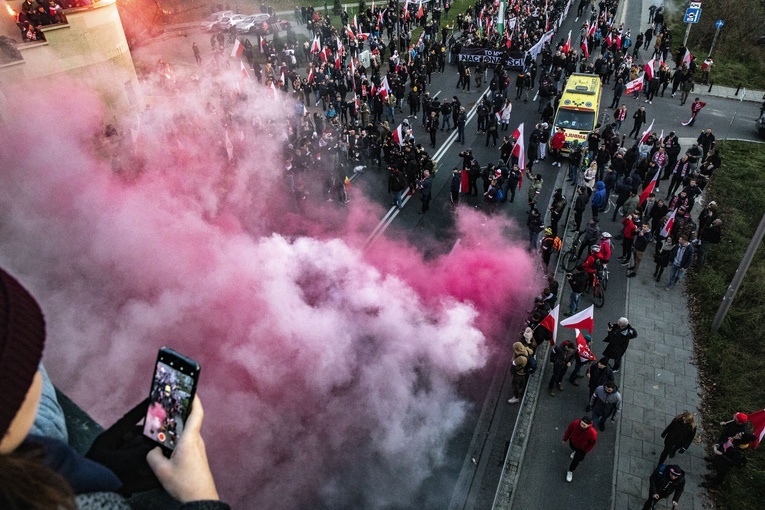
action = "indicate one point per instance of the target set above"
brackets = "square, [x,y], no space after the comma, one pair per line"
[229,22]
[211,23]
[251,23]
[272,27]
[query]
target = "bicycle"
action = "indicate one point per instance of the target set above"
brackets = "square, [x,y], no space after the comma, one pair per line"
[571,257]
[603,273]
[598,292]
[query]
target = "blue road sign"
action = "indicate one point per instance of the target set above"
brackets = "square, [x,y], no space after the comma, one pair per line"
[692,15]
[719,23]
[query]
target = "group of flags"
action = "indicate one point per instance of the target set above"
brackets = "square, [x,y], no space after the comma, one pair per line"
[584,320]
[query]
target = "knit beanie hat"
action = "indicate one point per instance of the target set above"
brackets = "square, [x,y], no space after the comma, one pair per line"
[22,337]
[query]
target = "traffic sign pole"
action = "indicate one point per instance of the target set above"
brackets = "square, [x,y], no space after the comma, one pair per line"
[692,15]
[718,26]
[687,31]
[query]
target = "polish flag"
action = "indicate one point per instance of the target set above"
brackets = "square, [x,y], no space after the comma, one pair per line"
[550,323]
[420,11]
[582,320]
[648,68]
[668,226]
[350,33]
[634,85]
[398,135]
[567,47]
[585,48]
[355,24]
[646,133]
[618,41]
[310,76]
[315,45]
[238,49]
[687,57]
[608,40]
[406,11]
[519,151]
[592,29]
[661,60]
[384,88]
[585,354]
[243,68]
[757,419]
[650,187]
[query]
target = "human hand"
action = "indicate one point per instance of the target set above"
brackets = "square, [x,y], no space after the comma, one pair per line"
[123,448]
[563,443]
[656,497]
[674,504]
[186,474]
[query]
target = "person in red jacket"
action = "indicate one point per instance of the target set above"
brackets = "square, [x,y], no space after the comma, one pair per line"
[630,230]
[556,144]
[581,437]
[696,107]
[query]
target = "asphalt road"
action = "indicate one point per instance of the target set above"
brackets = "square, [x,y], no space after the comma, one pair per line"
[477,451]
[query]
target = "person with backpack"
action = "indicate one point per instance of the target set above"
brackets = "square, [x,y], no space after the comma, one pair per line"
[665,480]
[578,282]
[521,355]
[547,247]
[396,186]
[561,357]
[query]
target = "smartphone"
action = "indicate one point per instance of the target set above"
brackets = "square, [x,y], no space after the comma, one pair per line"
[172,391]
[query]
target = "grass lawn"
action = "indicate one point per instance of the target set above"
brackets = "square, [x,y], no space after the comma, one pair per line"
[732,360]
[732,66]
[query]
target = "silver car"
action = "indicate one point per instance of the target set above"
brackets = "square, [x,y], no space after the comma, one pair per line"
[212,21]
[251,23]
[229,22]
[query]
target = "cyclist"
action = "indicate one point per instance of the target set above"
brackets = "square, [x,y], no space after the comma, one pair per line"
[590,264]
[605,247]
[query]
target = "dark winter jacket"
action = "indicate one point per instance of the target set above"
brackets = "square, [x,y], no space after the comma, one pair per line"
[663,485]
[618,340]
[679,434]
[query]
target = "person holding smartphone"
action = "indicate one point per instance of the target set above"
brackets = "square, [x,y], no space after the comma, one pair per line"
[41,472]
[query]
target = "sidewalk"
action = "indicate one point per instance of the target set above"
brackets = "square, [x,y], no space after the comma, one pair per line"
[658,381]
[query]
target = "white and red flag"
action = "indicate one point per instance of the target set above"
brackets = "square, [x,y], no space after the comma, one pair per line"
[519,150]
[650,187]
[550,323]
[585,47]
[238,48]
[398,135]
[420,11]
[582,320]
[608,40]
[567,47]
[667,228]
[310,76]
[384,88]
[585,354]
[757,419]
[591,29]
[634,85]
[687,58]
[350,33]
[646,133]
[315,45]
[648,68]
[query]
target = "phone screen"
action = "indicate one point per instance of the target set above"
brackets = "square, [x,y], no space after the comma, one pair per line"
[172,391]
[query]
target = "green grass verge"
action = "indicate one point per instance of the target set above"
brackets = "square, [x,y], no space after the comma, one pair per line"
[732,360]
[735,62]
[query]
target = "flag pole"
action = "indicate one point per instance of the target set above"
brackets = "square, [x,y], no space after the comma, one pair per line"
[743,266]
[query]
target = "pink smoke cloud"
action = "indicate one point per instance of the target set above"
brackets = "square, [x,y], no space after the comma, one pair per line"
[328,372]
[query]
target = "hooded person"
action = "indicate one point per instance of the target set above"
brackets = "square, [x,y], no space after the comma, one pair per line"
[519,369]
[618,339]
[731,457]
[43,472]
[665,480]
[598,201]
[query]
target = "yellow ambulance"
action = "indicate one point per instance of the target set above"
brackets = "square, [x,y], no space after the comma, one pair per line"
[578,108]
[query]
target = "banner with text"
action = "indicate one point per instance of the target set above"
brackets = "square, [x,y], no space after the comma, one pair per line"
[512,60]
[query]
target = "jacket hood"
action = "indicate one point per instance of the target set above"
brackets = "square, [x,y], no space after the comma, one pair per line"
[600,185]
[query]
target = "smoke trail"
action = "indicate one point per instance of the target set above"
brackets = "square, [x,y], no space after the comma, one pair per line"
[328,373]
